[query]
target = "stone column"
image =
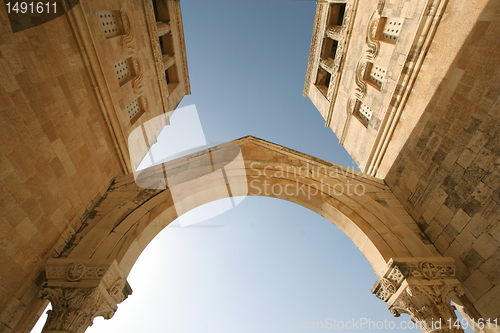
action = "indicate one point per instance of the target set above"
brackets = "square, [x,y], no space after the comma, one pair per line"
[422,288]
[81,290]
[326,64]
[333,32]
[168,61]
[163,28]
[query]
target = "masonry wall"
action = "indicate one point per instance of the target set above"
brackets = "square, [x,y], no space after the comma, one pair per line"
[447,174]
[56,156]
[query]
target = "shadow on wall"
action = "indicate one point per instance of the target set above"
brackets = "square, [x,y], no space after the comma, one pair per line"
[447,175]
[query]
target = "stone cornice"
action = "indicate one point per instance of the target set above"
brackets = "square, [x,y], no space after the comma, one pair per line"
[155,48]
[320,8]
[182,46]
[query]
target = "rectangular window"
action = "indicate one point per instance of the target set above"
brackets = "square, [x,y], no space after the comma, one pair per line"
[365,113]
[167,44]
[134,110]
[336,14]
[323,81]
[124,71]
[391,28]
[329,48]
[161,10]
[375,75]
[172,78]
[111,21]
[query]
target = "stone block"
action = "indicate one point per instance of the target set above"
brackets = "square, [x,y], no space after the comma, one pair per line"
[464,190]
[474,174]
[485,159]
[477,225]
[471,206]
[482,192]
[455,250]
[13,313]
[431,210]
[491,268]
[478,284]
[492,178]
[449,233]
[4,328]
[466,158]
[465,238]
[489,304]
[433,230]
[494,230]
[441,243]
[27,229]
[460,220]
[485,245]
[444,215]
[471,259]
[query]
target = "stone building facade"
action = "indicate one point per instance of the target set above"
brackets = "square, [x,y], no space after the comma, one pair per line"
[72,90]
[411,90]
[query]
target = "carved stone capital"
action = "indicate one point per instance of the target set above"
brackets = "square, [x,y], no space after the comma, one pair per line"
[422,288]
[79,291]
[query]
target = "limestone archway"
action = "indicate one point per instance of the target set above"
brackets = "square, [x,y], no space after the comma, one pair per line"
[96,265]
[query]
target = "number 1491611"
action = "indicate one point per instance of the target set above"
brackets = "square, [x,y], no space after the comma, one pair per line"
[31,8]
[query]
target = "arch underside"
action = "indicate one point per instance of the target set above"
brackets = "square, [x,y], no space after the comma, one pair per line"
[362,207]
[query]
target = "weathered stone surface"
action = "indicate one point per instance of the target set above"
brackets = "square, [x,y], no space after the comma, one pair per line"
[64,130]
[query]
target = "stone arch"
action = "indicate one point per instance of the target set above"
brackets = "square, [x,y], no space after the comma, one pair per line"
[363,207]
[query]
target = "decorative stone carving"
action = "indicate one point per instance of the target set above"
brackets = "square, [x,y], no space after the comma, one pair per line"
[182,51]
[326,64]
[373,47]
[341,49]
[428,305]
[163,28]
[72,308]
[75,271]
[431,16]
[137,83]
[333,32]
[380,6]
[144,103]
[320,8]
[81,291]
[155,44]
[168,61]
[128,36]
[423,289]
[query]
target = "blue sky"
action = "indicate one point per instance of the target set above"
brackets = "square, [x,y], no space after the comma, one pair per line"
[266,265]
